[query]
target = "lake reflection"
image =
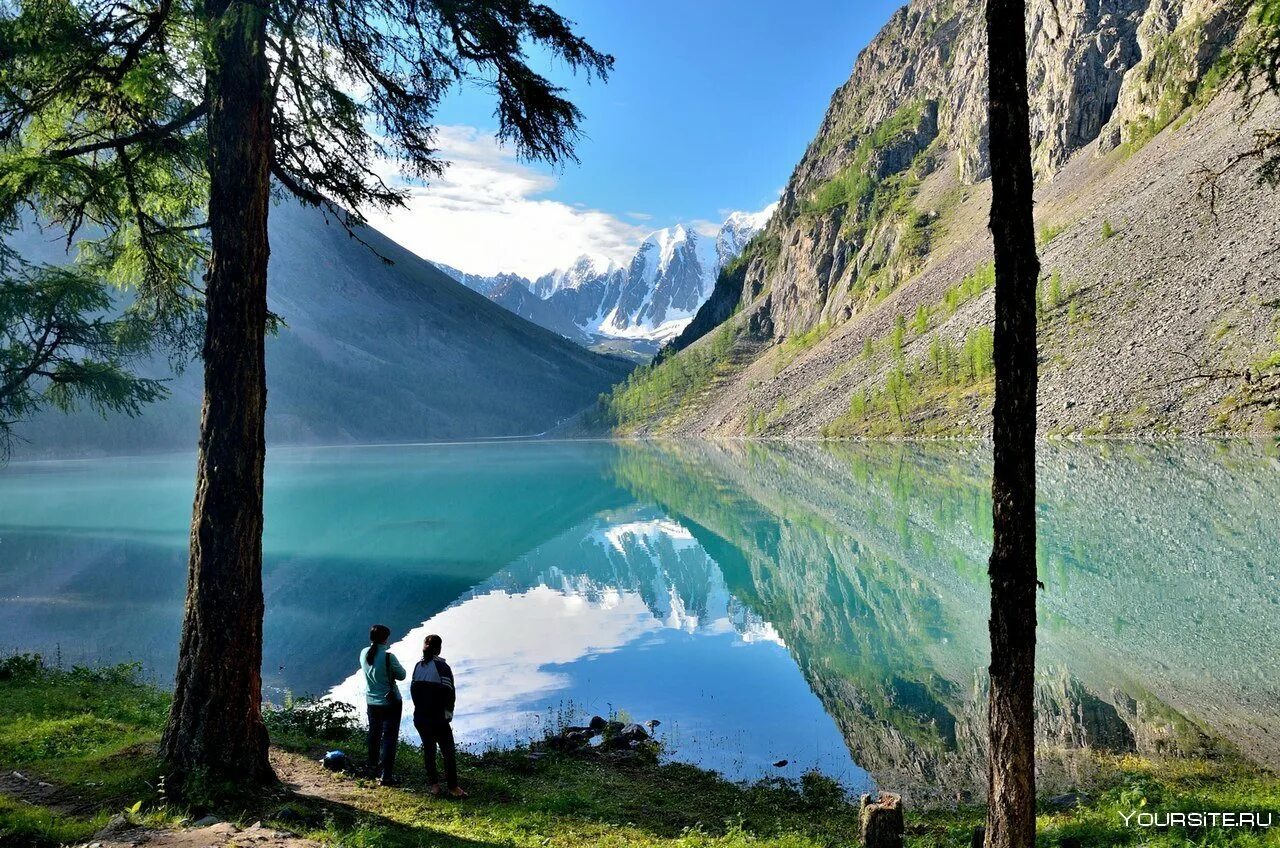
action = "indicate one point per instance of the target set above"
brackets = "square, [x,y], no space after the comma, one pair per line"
[820,604]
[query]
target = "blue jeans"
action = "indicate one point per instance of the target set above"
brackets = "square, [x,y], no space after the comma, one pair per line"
[384,736]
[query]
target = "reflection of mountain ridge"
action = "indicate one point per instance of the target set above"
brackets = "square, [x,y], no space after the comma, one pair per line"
[870,561]
[638,551]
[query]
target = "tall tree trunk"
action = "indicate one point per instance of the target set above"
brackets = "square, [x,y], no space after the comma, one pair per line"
[215,729]
[1011,758]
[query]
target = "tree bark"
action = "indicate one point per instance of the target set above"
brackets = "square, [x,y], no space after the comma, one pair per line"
[215,730]
[1012,568]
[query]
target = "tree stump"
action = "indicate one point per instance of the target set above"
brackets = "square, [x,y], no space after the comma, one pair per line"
[881,819]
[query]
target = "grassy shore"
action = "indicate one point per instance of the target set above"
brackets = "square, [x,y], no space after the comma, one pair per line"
[91,733]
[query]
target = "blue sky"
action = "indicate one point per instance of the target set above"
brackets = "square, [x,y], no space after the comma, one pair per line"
[709,108]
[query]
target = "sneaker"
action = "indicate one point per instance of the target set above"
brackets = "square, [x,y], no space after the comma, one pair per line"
[434,789]
[459,792]
[389,781]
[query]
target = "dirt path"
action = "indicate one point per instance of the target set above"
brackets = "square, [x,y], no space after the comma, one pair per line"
[301,778]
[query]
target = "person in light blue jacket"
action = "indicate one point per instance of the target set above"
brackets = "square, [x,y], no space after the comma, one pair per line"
[382,696]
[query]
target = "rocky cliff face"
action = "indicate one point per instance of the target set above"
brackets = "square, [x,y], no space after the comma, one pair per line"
[885,214]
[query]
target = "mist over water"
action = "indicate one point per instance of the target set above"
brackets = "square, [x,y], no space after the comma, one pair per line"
[821,604]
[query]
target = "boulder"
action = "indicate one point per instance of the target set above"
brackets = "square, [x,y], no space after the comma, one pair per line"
[634,732]
[598,724]
[115,825]
[625,736]
[1067,801]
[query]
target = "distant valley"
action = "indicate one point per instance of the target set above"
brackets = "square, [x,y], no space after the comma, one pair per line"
[369,352]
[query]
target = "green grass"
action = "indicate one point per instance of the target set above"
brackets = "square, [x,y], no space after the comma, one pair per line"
[558,800]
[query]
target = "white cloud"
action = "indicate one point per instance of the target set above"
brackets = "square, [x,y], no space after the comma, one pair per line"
[703,227]
[485,215]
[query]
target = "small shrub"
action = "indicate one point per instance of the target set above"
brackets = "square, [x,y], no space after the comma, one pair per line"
[21,667]
[1055,290]
[820,791]
[982,278]
[311,718]
[898,336]
[1049,232]
[920,322]
[858,404]
[1107,230]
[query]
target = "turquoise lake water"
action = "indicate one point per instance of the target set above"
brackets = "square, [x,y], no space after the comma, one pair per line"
[825,605]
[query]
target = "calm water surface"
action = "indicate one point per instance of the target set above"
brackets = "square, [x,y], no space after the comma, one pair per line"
[823,605]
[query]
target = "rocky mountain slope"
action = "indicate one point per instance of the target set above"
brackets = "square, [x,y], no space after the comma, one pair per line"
[634,307]
[864,307]
[370,352]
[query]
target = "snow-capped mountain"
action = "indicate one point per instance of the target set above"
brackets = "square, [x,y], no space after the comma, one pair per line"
[584,270]
[634,307]
[670,276]
[738,229]
[485,285]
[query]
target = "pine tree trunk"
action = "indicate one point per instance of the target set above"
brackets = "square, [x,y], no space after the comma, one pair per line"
[215,730]
[1012,568]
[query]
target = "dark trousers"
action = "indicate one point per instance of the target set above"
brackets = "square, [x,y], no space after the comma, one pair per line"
[384,735]
[433,733]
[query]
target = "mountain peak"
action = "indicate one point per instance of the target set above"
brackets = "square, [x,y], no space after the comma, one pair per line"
[646,301]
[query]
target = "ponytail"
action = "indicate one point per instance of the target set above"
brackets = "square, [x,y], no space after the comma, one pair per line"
[431,647]
[378,634]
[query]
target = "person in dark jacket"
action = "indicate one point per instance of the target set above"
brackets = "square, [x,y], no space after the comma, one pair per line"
[381,671]
[434,695]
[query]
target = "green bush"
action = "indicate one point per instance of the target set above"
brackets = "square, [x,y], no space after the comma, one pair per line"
[311,718]
[920,323]
[1055,290]
[898,336]
[1049,232]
